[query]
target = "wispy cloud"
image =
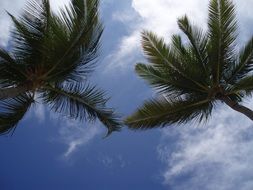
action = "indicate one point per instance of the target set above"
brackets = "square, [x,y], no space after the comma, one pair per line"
[217,156]
[113,161]
[75,136]
[126,53]
[39,112]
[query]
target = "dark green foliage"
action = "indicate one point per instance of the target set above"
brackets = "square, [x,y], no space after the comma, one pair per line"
[81,102]
[244,63]
[13,72]
[54,54]
[193,76]
[12,111]
[162,112]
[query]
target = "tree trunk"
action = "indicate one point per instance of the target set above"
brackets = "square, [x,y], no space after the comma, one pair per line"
[12,92]
[237,107]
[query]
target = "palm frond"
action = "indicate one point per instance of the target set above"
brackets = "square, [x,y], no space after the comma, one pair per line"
[198,40]
[12,110]
[245,64]
[81,102]
[81,19]
[222,28]
[165,82]
[30,31]
[189,63]
[12,72]
[161,56]
[244,86]
[64,46]
[163,112]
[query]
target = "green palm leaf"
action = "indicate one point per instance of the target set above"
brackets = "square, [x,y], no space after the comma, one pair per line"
[29,36]
[245,64]
[222,27]
[190,66]
[165,82]
[81,102]
[198,40]
[162,112]
[80,52]
[244,85]
[161,56]
[12,111]
[14,73]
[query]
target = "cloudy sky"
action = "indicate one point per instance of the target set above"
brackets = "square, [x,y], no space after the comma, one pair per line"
[47,152]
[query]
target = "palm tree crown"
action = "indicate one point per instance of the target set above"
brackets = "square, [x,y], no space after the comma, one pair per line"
[191,77]
[52,55]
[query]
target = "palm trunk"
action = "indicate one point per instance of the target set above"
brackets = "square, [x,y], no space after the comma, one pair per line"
[12,92]
[237,107]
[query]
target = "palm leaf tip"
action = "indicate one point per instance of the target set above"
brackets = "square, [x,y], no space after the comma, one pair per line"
[113,126]
[110,120]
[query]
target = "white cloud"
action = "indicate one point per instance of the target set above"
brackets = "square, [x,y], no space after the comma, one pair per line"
[217,156]
[123,16]
[125,53]
[73,134]
[161,16]
[76,136]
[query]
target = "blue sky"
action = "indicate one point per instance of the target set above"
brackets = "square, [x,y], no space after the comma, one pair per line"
[48,152]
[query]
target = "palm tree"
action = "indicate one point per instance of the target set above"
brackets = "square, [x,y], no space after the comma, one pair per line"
[191,77]
[51,57]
